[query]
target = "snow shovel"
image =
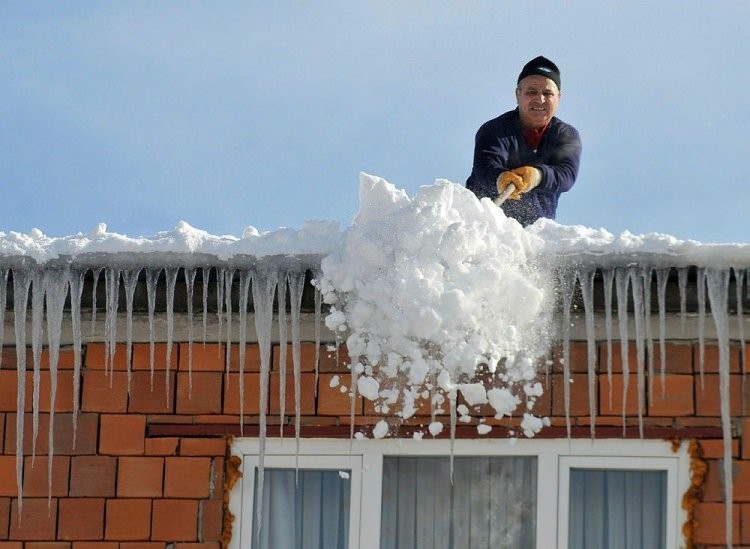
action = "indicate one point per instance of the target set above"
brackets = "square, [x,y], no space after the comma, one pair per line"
[509,190]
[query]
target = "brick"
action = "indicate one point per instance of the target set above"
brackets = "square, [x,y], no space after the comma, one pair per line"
[333,402]
[252,358]
[678,358]
[37,521]
[212,518]
[205,397]
[65,358]
[745,449]
[307,394]
[673,398]
[150,396]
[175,520]
[714,448]
[93,476]
[64,393]
[8,485]
[96,358]
[745,522]
[128,519]
[95,545]
[105,392]
[334,359]
[711,358]
[204,545]
[617,356]
[206,358]
[47,545]
[142,356]
[707,395]
[251,391]
[203,447]
[122,435]
[140,477]
[146,545]
[11,545]
[578,353]
[161,446]
[86,441]
[36,482]
[81,519]
[5,517]
[579,395]
[186,477]
[307,357]
[615,408]
[9,390]
[711,523]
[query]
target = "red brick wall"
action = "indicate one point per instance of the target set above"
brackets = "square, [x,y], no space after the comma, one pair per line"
[148,467]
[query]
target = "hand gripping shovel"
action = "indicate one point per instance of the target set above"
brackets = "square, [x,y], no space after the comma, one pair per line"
[509,190]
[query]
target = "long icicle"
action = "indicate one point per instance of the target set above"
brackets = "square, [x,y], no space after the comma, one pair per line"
[622,279]
[283,282]
[245,278]
[264,287]
[112,284]
[171,276]
[700,281]
[567,283]
[37,328]
[296,288]
[76,293]
[718,289]
[21,284]
[586,278]
[3,304]
[637,283]
[662,277]
[152,279]
[130,280]
[608,276]
[739,280]
[56,282]
[190,275]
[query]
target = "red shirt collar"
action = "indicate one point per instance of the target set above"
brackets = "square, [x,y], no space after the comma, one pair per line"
[534,136]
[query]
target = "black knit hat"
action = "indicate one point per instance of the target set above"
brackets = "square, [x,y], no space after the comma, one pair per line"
[543,67]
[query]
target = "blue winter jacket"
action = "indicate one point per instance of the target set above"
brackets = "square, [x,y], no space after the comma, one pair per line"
[500,146]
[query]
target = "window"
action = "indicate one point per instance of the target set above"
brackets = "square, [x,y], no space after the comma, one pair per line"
[524,493]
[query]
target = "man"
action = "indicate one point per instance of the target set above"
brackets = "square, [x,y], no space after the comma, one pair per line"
[528,148]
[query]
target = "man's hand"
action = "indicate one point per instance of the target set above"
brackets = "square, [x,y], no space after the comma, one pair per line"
[509,178]
[524,179]
[531,177]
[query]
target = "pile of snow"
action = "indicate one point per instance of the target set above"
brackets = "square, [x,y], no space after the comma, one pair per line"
[433,290]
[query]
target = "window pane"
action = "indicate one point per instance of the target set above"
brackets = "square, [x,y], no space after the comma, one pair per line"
[303,508]
[490,503]
[618,509]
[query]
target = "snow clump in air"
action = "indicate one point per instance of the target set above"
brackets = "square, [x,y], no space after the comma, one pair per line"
[440,298]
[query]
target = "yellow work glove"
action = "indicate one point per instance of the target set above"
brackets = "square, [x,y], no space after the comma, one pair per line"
[530,176]
[510,178]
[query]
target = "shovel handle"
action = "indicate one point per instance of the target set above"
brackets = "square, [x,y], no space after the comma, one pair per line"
[509,190]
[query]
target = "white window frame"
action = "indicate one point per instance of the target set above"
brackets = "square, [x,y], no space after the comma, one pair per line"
[364,460]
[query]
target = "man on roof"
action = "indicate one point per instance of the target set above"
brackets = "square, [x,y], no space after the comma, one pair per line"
[528,148]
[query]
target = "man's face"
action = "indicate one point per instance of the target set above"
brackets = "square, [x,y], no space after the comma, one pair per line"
[538,98]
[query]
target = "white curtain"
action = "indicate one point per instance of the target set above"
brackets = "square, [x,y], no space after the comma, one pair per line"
[490,503]
[304,509]
[617,509]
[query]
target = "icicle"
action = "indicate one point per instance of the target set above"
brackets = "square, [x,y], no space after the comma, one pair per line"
[586,278]
[56,291]
[97,272]
[662,277]
[648,275]
[190,288]
[228,278]
[21,283]
[112,281]
[718,289]
[130,280]
[220,274]
[452,398]
[318,317]
[245,277]
[152,279]
[567,284]
[296,288]
[622,279]
[283,278]
[700,281]
[682,276]
[609,277]
[639,313]
[739,280]
[264,287]
[37,317]
[76,292]
[205,275]
[171,276]
[3,304]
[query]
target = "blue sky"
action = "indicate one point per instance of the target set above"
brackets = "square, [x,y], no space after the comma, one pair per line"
[231,114]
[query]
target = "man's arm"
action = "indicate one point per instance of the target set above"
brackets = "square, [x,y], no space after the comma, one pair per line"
[490,159]
[560,167]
